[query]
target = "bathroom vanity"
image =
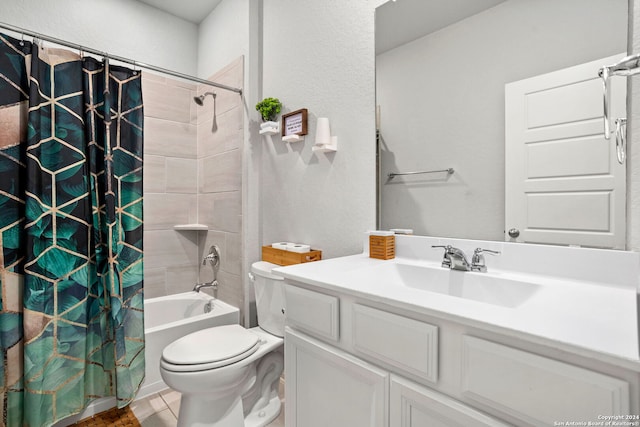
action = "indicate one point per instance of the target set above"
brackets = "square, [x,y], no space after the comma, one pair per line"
[547,336]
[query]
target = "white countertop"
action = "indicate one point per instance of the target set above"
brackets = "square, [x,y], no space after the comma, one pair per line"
[564,313]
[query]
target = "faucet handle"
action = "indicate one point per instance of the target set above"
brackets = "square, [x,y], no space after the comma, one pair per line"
[479,251]
[477,261]
[446,261]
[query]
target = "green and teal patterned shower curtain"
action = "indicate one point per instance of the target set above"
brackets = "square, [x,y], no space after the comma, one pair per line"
[71,310]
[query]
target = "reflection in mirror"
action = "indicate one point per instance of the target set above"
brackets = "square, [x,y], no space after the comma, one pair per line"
[441,71]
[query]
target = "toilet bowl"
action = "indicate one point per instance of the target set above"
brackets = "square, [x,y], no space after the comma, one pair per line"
[229,375]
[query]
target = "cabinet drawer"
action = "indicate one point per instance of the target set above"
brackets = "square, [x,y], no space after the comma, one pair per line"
[313,312]
[409,345]
[535,389]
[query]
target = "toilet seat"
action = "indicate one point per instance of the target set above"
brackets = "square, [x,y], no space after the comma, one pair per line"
[209,349]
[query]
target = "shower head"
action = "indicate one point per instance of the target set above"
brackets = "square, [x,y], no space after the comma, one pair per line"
[200,99]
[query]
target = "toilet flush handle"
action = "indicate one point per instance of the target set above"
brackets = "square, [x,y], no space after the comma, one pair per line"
[251,277]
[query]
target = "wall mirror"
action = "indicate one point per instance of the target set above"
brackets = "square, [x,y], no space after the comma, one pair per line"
[441,71]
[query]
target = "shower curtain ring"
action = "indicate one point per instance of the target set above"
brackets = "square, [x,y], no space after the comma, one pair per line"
[135,68]
[22,39]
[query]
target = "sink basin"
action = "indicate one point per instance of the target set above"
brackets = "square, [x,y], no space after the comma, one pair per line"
[482,287]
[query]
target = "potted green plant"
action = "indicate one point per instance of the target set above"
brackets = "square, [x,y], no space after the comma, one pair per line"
[269,109]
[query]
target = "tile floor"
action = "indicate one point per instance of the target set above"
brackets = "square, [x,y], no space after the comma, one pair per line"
[161,409]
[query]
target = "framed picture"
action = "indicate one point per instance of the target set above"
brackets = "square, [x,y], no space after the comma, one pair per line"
[295,123]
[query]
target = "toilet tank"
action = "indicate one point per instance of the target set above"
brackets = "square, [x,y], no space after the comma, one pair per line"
[269,292]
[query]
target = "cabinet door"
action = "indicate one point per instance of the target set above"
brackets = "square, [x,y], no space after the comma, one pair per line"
[413,405]
[327,387]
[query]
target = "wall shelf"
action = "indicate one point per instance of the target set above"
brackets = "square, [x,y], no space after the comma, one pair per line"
[269,131]
[328,148]
[191,227]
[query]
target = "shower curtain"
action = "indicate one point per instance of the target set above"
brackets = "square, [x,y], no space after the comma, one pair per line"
[71,258]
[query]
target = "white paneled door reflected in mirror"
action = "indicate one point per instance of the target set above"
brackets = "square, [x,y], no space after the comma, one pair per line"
[442,71]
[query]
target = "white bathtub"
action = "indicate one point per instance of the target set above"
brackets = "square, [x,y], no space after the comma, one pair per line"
[168,318]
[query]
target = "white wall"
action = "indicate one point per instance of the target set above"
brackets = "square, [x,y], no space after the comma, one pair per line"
[442,105]
[121,27]
[320,56]
[223,36]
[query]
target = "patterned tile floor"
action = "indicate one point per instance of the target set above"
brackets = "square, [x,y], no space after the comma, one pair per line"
[161,409]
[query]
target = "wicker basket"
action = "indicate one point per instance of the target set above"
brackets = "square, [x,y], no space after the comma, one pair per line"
[382,247]
[281,257]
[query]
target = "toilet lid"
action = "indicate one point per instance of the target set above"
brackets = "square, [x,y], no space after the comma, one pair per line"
[209,346]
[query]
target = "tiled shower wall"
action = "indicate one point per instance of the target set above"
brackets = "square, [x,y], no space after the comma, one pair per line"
[193,173]
[170,185]
[220,142]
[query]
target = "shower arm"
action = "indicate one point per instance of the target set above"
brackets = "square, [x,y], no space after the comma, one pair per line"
[627,66]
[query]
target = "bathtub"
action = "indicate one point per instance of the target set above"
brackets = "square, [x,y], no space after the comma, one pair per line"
[168,318]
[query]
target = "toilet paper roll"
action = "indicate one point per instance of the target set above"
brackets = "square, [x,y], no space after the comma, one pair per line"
[281,245]
[323,131]
[299,248]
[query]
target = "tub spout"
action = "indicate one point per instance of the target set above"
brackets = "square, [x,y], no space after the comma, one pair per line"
[213,285]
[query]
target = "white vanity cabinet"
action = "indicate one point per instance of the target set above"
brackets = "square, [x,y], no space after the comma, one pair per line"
[336,381]
[350,361]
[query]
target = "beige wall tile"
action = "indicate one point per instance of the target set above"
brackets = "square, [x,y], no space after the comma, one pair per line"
[154,173]
[182,175]
[230,290]
[231,75]
[181,279]
[150,76]
[172,165]
[221,211]
[219,173]
[154,282]
[169,248]
[166,101]
[164,210]
[233,253]
[227,136]
[167,138]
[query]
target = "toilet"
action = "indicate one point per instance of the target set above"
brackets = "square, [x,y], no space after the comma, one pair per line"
[229,375]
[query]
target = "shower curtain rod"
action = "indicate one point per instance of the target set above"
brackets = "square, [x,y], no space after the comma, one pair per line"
[117,58]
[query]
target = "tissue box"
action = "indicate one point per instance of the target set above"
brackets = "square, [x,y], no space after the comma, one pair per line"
[382,247]
[280,257]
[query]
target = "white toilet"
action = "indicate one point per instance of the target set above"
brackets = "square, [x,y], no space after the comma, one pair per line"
[229,375]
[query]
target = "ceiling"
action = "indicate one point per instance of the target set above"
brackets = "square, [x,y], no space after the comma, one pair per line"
[399,22]
[191,10]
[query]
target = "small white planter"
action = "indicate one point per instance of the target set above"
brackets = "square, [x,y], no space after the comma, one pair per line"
[269,124]
[269,128]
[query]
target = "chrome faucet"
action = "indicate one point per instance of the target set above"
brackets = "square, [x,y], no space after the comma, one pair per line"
[213,257]
[455,259]
[213,285]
